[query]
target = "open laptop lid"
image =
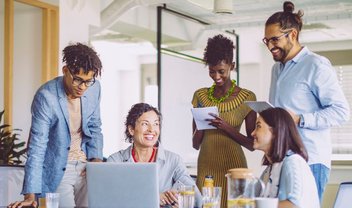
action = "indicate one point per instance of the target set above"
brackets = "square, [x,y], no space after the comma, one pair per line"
[344,196]
[122,185]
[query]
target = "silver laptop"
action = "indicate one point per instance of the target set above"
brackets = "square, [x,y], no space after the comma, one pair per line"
[344,196]
[125,185]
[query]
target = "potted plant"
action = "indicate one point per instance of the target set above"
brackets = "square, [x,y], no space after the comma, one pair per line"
[11,150]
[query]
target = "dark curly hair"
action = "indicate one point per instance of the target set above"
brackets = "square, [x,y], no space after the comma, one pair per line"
[77,56]
[287,19]
[286,135]
[135,112]
[219,48]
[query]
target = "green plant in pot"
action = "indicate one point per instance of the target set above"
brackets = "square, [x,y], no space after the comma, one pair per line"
[11,150]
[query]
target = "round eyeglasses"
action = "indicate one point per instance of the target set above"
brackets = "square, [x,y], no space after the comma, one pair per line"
[76,81]
[275,39]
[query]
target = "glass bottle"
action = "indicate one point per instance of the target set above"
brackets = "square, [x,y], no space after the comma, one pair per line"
[208,193]
[209,181]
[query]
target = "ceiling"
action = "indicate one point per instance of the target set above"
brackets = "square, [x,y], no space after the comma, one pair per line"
[135,20]
[255,12]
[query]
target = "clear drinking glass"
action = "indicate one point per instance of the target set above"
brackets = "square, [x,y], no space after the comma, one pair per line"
[261,202]
[52,200]
[186,196]
[211,197]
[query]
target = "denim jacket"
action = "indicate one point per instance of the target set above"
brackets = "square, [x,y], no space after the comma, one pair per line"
[49,138]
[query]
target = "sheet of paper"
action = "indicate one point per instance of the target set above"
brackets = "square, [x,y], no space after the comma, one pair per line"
[201,114]
[259,106]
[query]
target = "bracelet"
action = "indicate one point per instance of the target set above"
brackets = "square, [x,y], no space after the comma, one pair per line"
[301,121]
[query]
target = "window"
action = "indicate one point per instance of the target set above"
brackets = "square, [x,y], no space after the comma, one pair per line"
[341,135]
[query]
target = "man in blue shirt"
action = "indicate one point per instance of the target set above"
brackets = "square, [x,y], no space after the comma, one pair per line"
[305,84]
[65,131]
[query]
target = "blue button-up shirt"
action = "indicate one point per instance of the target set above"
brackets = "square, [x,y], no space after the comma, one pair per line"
[308,86]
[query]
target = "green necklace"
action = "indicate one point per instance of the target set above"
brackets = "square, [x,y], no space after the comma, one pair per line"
[220,100]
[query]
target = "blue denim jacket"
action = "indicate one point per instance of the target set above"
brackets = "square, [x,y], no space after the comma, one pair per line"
[49,137]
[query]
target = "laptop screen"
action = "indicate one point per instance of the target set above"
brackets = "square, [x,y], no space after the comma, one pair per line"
[344,196]
[122,185]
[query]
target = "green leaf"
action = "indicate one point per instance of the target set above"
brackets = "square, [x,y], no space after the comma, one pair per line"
[11,150]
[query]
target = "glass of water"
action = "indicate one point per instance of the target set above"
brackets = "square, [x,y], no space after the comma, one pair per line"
[211,197]
[52,200]
[186,196]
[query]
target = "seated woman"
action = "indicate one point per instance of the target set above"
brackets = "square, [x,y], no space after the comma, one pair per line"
[288,175]
[142,130]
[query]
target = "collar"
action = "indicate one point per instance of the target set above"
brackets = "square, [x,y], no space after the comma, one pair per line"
[289,153]
[60,87]
[303,52]
[299,56]
[127,155]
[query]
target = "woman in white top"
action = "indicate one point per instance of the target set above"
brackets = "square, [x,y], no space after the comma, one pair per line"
[288,176]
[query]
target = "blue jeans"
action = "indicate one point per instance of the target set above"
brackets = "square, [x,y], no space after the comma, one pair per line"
[321,174]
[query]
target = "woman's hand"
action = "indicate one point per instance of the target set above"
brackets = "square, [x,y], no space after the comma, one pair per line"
[218,122]
[29,200]
[169,198]
[233,133]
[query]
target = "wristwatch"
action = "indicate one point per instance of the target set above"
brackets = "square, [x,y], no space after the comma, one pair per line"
[301,121]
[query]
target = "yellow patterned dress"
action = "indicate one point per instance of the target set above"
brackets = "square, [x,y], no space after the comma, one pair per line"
[218,152]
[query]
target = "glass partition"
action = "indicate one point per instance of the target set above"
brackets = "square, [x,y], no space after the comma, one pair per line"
[181,73]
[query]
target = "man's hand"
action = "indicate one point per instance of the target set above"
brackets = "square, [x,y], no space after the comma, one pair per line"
[95,160]
[84,172]
[29,201]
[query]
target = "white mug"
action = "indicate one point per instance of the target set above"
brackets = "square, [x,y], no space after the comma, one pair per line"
[261,202]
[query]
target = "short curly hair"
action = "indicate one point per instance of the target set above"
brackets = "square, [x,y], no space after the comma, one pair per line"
[79,56]
[219,48]
[135,112]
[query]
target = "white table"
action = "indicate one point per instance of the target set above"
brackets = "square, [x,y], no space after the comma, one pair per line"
[11,181]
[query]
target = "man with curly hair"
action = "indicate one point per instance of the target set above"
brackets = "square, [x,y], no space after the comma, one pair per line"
[65,131]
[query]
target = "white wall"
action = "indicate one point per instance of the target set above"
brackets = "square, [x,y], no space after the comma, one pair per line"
[26,65]
[180,78]
[76,17]
[121,87]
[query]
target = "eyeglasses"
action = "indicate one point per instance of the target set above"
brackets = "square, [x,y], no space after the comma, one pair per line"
[76,81]
[275,39]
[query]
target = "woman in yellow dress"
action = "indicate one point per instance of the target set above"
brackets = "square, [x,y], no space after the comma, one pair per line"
[220,148]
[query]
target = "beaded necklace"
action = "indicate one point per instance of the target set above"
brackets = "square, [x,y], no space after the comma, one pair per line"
[221,99]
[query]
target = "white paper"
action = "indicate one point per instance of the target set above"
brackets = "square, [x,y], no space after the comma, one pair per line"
[259,106]
[200,116]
